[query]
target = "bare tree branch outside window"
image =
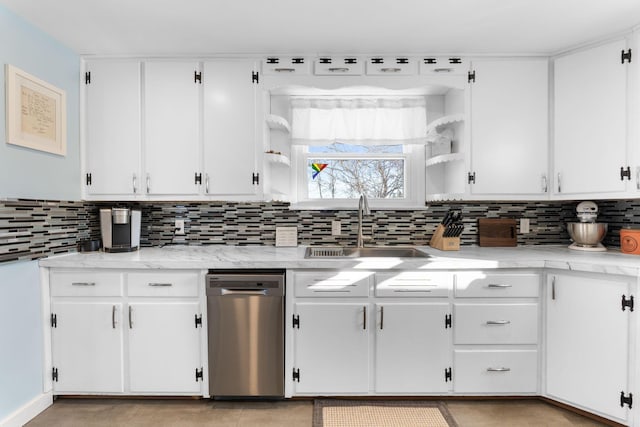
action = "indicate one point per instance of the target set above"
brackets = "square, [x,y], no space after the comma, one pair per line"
[352,173]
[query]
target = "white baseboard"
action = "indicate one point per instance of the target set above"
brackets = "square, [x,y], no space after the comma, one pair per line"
[29,411]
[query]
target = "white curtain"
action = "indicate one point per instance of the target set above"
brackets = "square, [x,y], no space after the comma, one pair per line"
[361,121]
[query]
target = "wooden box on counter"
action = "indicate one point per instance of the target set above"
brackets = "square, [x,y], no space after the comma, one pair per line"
[438,241]
[497,232]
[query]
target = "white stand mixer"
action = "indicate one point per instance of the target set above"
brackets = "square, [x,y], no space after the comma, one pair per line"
[587,234]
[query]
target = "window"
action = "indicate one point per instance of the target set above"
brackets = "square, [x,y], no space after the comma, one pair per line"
[344,171]
[344,148]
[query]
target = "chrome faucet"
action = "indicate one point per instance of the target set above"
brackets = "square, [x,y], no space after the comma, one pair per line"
[363,209]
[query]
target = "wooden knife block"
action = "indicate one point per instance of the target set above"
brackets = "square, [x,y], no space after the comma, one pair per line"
[444,243]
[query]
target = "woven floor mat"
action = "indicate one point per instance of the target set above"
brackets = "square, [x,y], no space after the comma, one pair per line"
[380,413]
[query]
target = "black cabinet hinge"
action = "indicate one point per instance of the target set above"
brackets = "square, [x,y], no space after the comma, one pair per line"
[471,177]
[54,374]
[296,375]
[297,60]
[255,178]
[447,321]
[54,320]
[199,374]
[273,60]
[325,60]
[471,76]
[448,376]
[295,323]
[88,179]
[87,78]
[377,61]
[198,320]
[457,61]
[626,399]
[197,77]
[198,178]
[624,173]
[255,77]
[627,303]
[402,60]
[430,60]
[350,60]
[625,56]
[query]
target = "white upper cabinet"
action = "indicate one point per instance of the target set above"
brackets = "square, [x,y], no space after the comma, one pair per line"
[509,127]
[230,128]
[171,128]
[391,66]
[590,122]
[338,66]
[296,65]
[112,128]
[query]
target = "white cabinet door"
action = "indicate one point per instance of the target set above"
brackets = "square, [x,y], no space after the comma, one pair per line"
[590,125]
[331,348]
[587,342]
[171,127]
[87,347]
[113,136]
[412,348]
[509,126]
[164,347]
[230,137]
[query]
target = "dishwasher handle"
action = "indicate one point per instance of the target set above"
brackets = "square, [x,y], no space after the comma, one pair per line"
[241,291]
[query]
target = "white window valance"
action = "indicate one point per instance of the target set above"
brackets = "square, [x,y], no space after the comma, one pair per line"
[361,121]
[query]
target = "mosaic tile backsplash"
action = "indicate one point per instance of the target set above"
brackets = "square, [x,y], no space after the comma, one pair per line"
[31,229]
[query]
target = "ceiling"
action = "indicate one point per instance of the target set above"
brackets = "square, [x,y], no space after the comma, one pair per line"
[210,27]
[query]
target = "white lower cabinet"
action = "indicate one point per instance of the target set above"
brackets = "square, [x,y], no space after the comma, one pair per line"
[587,341]
[497,323]
[412,348]
[87,347]
[495,332]
[332,347]
[496,371]
[164,344]
[126,333]
[348,341]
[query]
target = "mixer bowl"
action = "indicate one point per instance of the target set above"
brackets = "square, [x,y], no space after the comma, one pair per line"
[587,233]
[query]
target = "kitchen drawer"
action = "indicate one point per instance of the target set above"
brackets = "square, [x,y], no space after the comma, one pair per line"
[163,284]
[390,66]
[275,65]
[329,66]
[495,323]
[332,284]
[414,284]
[495,371]
[85,283]
[479,284]
[444,65]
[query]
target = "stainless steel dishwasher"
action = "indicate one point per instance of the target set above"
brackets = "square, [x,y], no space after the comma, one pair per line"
[246,333]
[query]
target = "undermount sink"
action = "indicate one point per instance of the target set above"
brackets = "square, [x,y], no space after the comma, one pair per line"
[367,252]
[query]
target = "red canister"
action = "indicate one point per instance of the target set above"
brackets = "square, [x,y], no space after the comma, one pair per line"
[630,241]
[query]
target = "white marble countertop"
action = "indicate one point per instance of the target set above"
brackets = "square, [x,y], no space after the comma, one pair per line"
[468,257]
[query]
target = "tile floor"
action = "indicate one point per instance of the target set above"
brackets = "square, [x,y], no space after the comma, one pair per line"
[67,412]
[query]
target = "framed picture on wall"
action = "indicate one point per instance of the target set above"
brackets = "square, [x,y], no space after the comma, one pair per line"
[36,112]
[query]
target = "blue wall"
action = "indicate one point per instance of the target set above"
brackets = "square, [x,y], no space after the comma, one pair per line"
[31,174]
[21,347]
[26,173]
